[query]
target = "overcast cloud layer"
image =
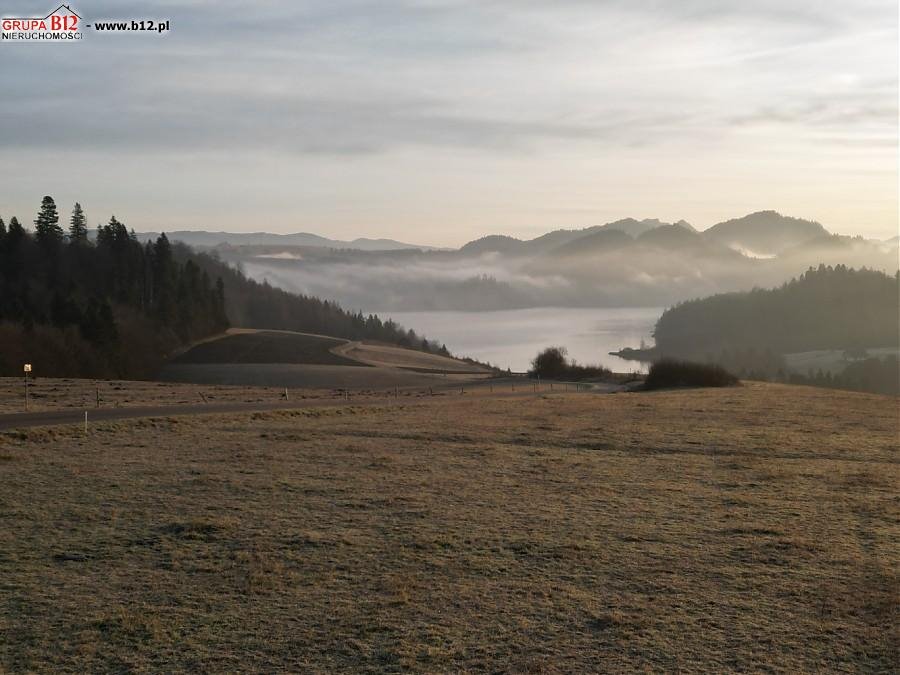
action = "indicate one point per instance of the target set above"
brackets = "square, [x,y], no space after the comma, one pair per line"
[437,121]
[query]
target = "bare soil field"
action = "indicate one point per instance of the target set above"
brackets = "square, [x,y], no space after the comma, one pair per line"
[749,528]
[268,347]
[250,358]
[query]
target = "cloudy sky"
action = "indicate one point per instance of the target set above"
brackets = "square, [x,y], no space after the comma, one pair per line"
[436,121]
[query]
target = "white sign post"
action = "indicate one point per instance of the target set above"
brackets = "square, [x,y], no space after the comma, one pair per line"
[27,370]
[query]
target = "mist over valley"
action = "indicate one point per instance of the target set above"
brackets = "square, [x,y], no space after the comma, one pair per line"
[627,263]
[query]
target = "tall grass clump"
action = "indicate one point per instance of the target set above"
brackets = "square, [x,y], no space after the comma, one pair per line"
[673,373]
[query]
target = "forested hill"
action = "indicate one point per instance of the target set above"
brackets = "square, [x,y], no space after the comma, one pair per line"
[260,305]
[825,308]
[110,306]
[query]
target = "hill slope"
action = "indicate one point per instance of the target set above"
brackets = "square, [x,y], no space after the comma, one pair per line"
[462,534]
[825,308]
[764,233]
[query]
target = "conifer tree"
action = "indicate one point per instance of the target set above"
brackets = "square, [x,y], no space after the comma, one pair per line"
[78,225]
[16,231]
[46,225]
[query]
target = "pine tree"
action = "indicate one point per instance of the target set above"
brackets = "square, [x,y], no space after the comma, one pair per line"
[16,232]
[78,227]
[46,225]
[2,228]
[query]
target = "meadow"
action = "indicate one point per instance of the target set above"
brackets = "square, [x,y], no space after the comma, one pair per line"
[747,528]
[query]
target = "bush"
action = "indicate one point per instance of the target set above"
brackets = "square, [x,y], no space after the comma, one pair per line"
[671,373]
[553,364]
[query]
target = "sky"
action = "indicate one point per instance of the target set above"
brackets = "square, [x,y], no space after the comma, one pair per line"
[439,121]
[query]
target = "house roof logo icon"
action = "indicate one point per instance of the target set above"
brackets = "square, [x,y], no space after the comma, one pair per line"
[63,23]
[68,10]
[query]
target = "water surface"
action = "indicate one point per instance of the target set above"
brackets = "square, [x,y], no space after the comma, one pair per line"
[511,338]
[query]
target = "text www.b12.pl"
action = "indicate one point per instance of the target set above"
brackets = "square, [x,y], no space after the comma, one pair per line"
[144,25]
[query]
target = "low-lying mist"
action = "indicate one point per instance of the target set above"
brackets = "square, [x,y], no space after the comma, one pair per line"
[637,275]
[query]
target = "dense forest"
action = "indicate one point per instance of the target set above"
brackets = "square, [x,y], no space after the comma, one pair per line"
[109,306]
[825,308]
[260,305]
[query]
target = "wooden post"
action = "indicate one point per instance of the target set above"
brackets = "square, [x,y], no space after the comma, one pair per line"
[85,421]
[286,394]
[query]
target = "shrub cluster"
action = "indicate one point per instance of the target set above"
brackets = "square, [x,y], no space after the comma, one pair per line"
[553,364]
[668,373]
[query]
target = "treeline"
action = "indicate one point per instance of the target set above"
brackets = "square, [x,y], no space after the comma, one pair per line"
[256,304]
[104,308]
[108,306]
[880,376]
[825,308]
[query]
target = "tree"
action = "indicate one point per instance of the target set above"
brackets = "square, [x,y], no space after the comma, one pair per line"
[46,226]
[550,363]
[16,232]
[2,228]
[78,227]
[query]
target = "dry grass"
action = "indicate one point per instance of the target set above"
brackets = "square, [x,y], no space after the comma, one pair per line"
[57,393]
[752,528]
[398,357]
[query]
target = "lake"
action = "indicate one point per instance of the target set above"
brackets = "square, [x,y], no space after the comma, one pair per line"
[512,338]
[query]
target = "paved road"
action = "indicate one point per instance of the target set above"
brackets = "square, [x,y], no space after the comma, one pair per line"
[76,415]
[486,389]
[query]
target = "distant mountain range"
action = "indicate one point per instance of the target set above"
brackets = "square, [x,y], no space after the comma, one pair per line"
[201,239]
[763,234]
[624,263]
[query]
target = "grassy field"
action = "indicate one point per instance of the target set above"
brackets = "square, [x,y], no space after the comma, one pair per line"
[58,393]
[751,528]
[398,357]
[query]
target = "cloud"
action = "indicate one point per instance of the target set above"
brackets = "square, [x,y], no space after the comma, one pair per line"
[616,96]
